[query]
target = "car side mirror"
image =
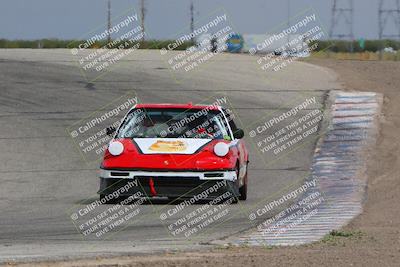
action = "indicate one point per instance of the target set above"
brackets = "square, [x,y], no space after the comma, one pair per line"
[110,130]
[238,134]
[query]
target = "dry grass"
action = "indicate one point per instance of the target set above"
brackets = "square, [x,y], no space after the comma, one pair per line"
[356,56]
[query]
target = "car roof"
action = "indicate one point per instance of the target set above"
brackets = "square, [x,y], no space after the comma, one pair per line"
[177,106]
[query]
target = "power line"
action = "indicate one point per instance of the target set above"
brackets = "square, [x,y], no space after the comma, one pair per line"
[109,21]
[342,13]
[143,14]
[288,19]
[192,19]
[387,14]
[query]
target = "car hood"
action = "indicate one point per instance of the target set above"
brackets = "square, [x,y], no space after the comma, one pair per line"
[183,146]
[168,154]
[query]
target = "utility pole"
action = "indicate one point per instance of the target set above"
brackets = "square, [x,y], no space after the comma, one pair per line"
[143,14]
[288,22]
[192,19]
[342,11]
[109,22]
[385,14]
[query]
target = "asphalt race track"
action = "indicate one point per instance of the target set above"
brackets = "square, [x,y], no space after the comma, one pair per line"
[43,176]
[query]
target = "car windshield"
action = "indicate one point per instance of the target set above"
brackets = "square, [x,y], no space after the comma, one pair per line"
[174,123]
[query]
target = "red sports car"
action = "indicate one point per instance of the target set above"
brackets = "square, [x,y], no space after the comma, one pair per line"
[175,151]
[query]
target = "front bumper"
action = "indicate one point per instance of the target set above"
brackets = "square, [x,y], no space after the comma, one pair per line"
[183,184]
[227,175]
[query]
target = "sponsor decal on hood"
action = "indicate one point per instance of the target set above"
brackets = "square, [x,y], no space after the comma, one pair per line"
[170,145]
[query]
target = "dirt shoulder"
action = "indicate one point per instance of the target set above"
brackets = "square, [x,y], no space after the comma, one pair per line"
[373,237]
[381,218]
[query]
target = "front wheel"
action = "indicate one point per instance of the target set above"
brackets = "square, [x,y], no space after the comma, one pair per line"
[243,192]
[243,189]
[104,200]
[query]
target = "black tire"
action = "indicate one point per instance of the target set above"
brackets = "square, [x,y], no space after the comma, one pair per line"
[243,192]
[111,201]
[103,199]
[173,200]
[235,200]
[236,187]
[243,189]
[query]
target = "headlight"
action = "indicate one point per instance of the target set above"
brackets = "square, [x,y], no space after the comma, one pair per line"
[116,148]
[221,149]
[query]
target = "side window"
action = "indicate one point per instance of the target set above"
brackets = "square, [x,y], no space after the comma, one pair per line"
[220,122]
[229,116]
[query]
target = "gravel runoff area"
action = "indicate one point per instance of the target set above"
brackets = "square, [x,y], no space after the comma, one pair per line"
[371,239]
